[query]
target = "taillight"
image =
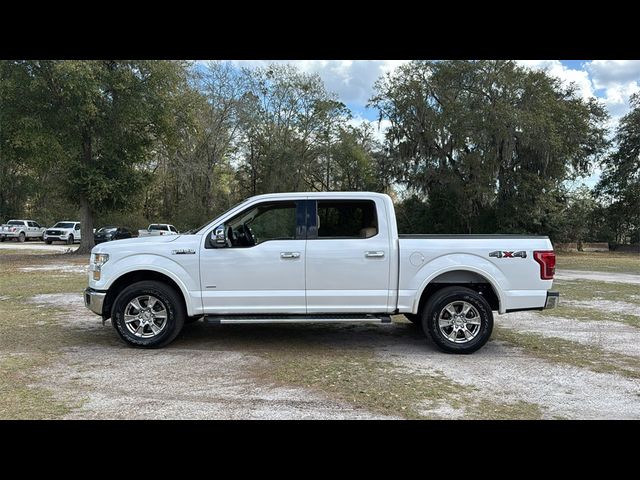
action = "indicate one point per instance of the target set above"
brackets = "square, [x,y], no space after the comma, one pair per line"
[547,261]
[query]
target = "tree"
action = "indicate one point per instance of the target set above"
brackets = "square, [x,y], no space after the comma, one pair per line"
[101,120]
[486,143]
[620,180]
[289,122]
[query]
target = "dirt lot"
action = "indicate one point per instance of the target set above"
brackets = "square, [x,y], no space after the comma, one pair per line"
[581,360]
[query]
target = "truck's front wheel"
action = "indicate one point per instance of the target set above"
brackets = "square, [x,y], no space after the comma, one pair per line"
[148,314]
[458,320]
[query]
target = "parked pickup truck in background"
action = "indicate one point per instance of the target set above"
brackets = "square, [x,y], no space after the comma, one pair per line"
[66,231]
[21,230]
[158,229]
[318,257]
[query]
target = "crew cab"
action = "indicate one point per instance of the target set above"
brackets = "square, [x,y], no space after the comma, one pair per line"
[66,231]
[158,229]
[318,257]
[21,230]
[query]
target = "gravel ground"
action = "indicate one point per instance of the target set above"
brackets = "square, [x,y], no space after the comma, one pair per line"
[31,245]
[57,268]
[502,372]
[608,335]
[197,377]
[178,383]
[218,372]
[597,276]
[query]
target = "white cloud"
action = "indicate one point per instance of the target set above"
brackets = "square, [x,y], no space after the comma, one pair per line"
[611,73]
[568,75]
[619,79]
[351,80]
[612,81]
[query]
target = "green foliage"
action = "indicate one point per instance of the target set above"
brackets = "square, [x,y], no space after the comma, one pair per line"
[487,144]
[620,182]
[93,124]
[474,146]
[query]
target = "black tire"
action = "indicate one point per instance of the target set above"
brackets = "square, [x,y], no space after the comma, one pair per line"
[413,318]
[173,302]
[438,302]
[22,237]
[48,242]
[2,239]
[70,240]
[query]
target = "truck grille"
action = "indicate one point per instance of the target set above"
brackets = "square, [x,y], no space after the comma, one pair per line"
[54,232]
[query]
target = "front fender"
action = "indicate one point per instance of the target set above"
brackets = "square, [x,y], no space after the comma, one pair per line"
[457,262]
[185,276]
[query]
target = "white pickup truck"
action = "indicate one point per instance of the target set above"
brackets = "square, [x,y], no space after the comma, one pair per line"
[156,229]
[67,231]
[318,257]
[21,230]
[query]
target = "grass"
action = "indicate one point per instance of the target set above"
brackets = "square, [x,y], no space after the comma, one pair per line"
[599,261]
[588,291]
[575,312]
[30,339]
[571,353]
[374,385]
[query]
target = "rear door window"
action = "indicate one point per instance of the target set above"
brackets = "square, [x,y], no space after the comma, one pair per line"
[346,219]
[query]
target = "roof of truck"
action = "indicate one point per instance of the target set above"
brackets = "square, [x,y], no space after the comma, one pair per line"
[267,196]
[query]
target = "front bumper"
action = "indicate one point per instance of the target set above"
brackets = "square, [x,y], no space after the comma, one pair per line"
[94,299]
[553,299]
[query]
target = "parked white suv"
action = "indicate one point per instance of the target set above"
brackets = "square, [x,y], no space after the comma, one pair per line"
[21,230]
[66,231]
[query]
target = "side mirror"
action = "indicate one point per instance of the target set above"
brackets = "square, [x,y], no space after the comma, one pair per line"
[218,237]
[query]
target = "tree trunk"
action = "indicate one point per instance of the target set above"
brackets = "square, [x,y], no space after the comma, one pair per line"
[86,227]
[86,212]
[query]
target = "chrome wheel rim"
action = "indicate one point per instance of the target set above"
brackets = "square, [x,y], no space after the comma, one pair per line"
[459,322]
[145,316]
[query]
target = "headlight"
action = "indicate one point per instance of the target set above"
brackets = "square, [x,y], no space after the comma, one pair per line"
[97,261]
[100,259]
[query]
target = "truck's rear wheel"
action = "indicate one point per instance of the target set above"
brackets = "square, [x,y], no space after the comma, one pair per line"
[22,237]
[148,314]
[458,320]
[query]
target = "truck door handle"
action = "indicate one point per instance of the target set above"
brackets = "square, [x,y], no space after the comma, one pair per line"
[289,254]
[374,254]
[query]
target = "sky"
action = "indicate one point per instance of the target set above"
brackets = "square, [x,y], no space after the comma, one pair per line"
[611,81]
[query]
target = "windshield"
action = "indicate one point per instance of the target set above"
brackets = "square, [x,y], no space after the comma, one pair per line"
[196,230]
[15,222]
[107,229]
[64,225]
[156,226]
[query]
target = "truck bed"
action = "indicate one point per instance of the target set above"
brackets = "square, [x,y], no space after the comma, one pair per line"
[505,262]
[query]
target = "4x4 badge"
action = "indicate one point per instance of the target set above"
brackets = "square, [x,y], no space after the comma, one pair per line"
[501,254]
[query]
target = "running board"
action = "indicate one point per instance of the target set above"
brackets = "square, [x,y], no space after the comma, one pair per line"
[257,319]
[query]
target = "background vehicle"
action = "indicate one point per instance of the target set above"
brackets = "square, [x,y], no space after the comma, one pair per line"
[158,229]
[319,257]
[66,231]
[21,230]
[111,232]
